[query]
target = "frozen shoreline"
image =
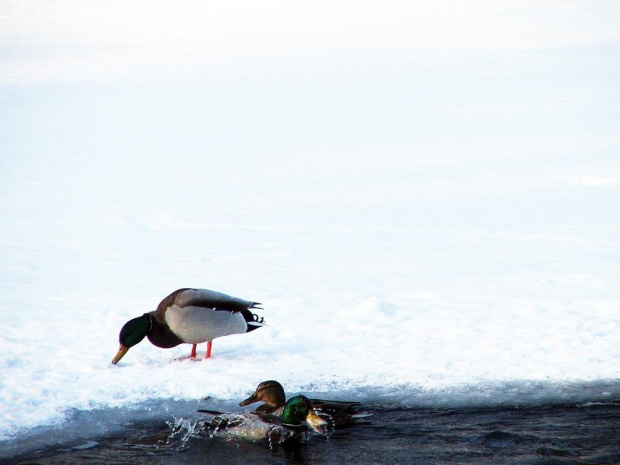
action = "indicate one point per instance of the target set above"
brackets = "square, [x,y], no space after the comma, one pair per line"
[433,355]
[82,427]
[84,424]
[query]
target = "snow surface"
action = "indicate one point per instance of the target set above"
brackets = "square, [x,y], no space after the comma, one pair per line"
[424,196]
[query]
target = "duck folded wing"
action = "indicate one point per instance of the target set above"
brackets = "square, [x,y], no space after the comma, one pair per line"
[205,298]
[332,407]
[340,414]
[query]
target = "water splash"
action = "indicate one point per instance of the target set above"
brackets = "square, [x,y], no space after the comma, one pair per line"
[182,430]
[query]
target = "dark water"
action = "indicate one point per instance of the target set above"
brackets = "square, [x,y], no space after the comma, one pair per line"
[542,435]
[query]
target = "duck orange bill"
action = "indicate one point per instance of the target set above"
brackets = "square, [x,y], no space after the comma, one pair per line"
[316,422]
[121,352]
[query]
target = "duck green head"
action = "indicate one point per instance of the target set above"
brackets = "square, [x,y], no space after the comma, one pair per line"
[131,333]
[298,410]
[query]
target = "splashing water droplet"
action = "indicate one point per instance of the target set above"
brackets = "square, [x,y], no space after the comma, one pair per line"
[184,429]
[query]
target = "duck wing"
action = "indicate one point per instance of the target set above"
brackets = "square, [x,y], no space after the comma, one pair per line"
[340,413]
[335,406]
[213,300]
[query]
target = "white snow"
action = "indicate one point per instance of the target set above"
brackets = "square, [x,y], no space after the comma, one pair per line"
[424,197]
[598,181]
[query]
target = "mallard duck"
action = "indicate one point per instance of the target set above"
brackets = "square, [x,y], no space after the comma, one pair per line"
[190,316]
[293,422]
[338,413]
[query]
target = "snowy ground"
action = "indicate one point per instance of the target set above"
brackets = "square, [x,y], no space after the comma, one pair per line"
[425,198]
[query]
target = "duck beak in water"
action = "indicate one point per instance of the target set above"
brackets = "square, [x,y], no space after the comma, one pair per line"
[121,352]
[316,422]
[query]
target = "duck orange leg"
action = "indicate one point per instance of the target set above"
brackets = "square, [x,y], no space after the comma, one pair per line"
[193,354]
[208,354]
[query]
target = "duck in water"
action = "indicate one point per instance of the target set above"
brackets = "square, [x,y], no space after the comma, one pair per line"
[296,421]
[339,414]
[190,316]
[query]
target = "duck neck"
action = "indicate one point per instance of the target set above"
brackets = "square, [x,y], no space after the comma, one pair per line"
[160,334]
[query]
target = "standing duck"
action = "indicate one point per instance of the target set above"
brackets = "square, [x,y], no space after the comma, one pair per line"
[190,316]
[296,422]
[338,413]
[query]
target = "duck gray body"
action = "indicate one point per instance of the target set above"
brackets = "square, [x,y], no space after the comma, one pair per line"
[297,420]
[199,315]
[190,316]
[249,426]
